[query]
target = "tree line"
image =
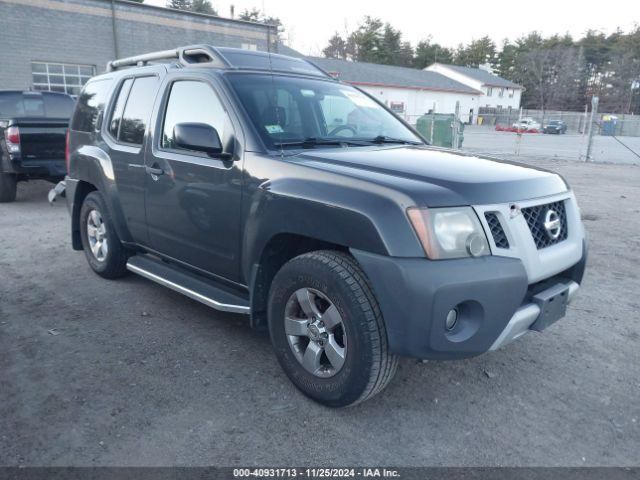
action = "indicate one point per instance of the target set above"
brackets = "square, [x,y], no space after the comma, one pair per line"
[205,6]
[557,72]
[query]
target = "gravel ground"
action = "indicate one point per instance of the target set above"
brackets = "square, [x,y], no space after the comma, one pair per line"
[97,372]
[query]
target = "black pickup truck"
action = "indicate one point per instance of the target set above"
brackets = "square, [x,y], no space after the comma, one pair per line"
[260,185]
[33,126]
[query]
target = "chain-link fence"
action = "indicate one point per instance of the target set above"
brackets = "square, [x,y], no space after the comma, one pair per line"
[584,136]
[574,122]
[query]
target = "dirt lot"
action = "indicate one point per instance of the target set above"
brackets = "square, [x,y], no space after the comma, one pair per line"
[96,372]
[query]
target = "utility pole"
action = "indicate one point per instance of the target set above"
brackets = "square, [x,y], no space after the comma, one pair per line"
[518,133]
[455,127]
[433,121]
[116,52]
[594,111]
[269,38]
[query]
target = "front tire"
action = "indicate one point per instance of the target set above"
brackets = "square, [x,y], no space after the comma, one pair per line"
[102,247]
[8,187]
[327,329]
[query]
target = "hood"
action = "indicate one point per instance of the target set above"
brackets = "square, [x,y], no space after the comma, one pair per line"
[437,177]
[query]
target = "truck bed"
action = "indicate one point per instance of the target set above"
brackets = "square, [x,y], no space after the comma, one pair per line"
[42,147]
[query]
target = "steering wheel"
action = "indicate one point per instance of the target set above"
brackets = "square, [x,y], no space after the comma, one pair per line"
[341,128]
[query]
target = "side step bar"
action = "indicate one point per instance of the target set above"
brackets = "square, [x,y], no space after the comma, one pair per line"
[188,284]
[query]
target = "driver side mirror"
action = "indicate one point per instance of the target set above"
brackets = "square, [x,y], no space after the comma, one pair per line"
[198,137]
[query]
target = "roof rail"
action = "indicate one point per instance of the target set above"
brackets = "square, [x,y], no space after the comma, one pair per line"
[328,74]
[191,55]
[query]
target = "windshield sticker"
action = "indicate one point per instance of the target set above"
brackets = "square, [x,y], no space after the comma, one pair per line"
[359,99]
[274,128]
[308,93]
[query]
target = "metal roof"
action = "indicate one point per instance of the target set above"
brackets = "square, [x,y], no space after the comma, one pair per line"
[372,74]
[487,78]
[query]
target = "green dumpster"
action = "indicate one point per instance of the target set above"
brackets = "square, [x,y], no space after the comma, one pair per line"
[444,129]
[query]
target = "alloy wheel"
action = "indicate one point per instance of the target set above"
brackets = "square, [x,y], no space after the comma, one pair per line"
[315,332]
[97,235]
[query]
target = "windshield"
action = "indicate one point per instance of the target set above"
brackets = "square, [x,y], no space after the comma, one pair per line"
[554,122]
[297,112]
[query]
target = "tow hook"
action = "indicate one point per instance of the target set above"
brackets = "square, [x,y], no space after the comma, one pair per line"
[57,191]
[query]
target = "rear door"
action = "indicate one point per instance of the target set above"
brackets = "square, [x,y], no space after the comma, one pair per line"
[125,133]
[193,207]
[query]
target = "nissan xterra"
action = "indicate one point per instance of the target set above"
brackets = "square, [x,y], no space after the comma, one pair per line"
[258,184]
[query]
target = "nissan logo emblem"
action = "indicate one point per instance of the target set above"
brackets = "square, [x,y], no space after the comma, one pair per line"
[552,224]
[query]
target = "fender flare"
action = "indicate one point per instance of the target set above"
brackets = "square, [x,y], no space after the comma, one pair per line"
[96,169]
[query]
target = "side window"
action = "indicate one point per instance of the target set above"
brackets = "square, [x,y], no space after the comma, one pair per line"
[138,110]
[194,102]
[116,116]
[90,105]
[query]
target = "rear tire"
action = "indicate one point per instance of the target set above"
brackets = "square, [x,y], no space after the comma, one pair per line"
[340,295]
[104,252]
[8,187]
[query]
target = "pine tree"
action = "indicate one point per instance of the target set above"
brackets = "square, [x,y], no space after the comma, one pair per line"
[202,6]
[179,4]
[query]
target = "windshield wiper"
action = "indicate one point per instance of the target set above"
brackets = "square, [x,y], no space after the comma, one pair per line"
[385,139]
[312,142]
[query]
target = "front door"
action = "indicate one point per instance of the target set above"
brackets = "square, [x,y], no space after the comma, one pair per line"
[192,200]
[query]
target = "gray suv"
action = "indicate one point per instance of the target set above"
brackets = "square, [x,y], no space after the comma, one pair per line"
[258,184]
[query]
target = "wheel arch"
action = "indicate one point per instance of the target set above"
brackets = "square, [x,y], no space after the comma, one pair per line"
[77,191]
[280,248]
[92,168]
[81,190]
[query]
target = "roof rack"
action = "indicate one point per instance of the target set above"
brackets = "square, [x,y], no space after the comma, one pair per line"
[187,56]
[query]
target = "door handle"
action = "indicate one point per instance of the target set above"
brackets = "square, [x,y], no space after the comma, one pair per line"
[154,171]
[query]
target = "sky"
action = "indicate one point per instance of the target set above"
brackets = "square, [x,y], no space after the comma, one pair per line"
[309,24]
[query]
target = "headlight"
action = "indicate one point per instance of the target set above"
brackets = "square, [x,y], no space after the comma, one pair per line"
[449,232]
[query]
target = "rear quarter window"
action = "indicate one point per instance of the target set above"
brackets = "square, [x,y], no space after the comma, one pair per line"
[90,105]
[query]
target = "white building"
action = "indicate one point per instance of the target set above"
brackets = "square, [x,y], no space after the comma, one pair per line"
[497,92]
[407,91]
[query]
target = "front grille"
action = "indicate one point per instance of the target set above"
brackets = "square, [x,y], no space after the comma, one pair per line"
[535,217]
[497,232]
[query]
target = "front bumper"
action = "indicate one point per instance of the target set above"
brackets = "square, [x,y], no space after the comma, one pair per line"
[525,317]
[494,301]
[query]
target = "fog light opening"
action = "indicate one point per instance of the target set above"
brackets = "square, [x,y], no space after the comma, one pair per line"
[451,320]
